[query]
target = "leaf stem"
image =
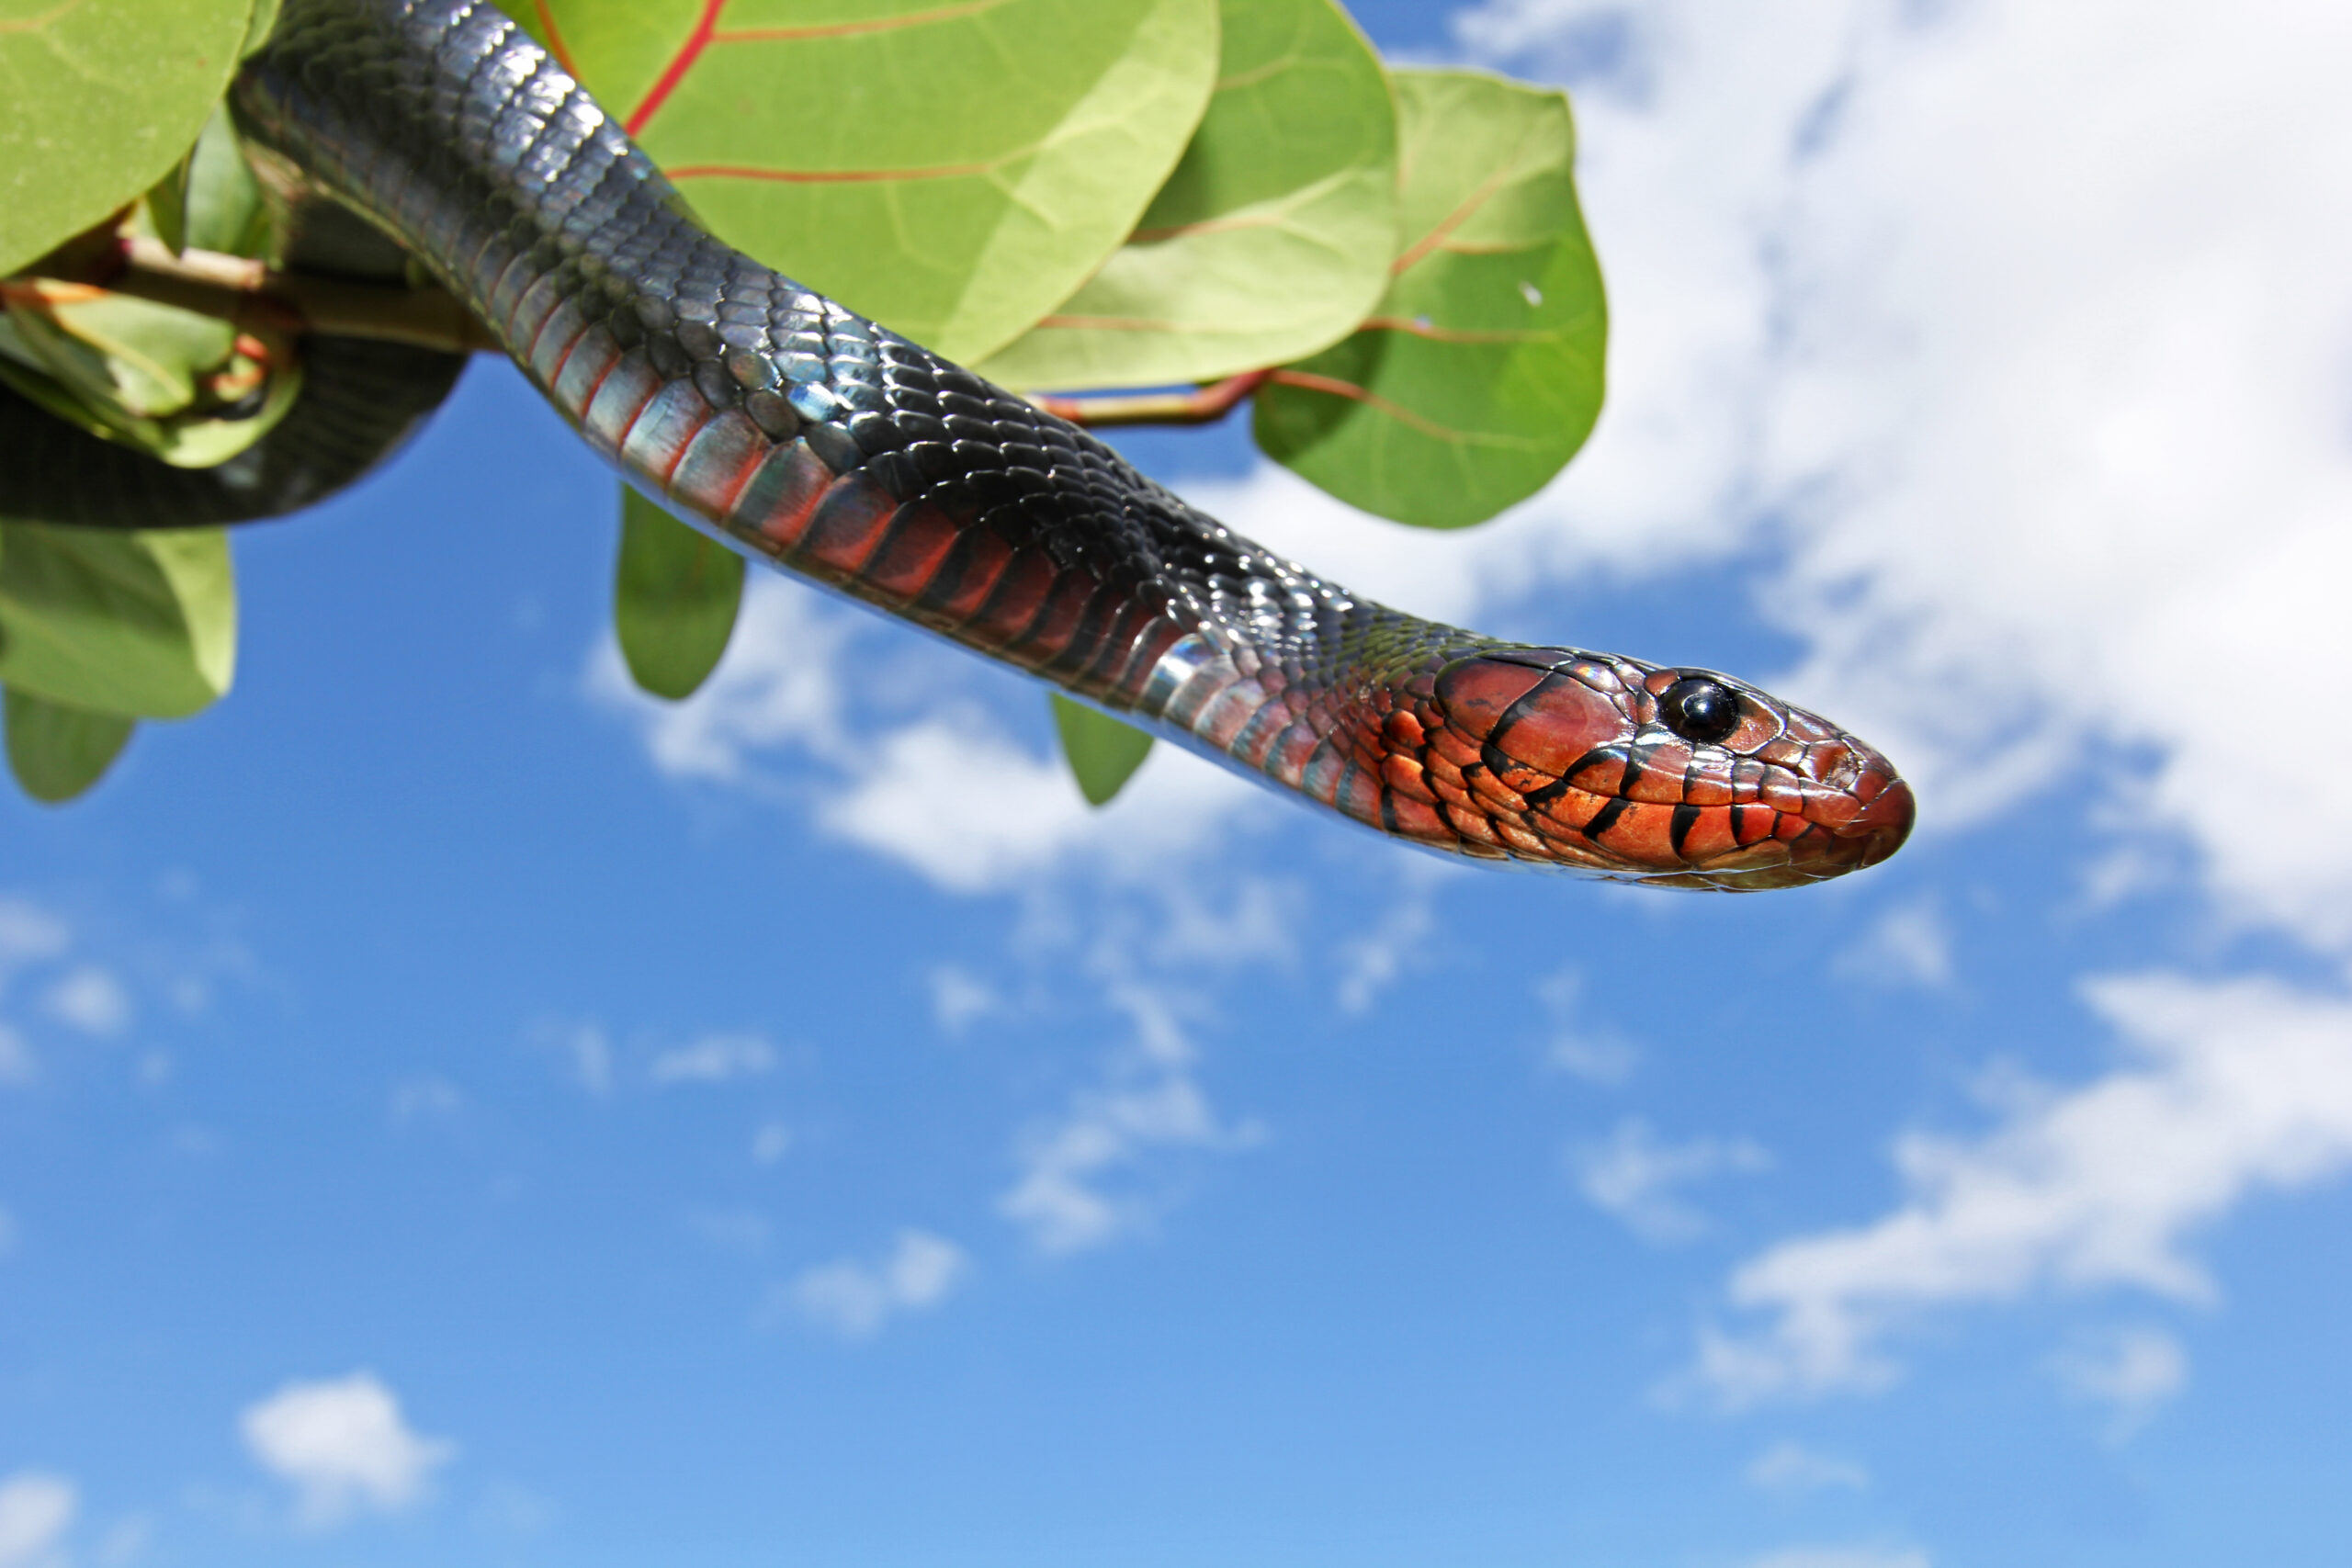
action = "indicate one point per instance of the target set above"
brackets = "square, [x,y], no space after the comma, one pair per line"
[247,294]
[1204,405]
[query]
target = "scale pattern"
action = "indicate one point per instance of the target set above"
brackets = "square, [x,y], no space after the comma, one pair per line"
[833,447]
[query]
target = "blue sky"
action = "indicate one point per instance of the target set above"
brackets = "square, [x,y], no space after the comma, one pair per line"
[453,1110]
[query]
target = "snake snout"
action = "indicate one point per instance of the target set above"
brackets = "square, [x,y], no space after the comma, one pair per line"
[1884,815]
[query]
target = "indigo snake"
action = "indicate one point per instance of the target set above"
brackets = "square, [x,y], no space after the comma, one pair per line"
[810,437]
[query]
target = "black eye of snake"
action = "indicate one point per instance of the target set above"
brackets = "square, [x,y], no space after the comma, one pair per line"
[1698,709]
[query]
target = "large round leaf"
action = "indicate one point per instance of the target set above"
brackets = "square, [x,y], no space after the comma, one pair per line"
[143,625]
[98,99]
[953,168]
[1480,373]
[1271,239]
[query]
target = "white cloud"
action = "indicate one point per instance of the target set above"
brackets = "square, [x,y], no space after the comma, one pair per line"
[1151,1101]
[2031,350]
[35,1510]
[2130,1371]
[585,1048]
[1591,1051]
[1373,962]
[771,1143]
[743,1232]
[1909,944]
[2230,1087]
[1841,1557]
[343,1445]
[959,998]
[856,1299]
[1788,1466]
[29,933]
[779,687]
[714,1058]
[19,1066]
[425,1100]
[91,999]
[798,714]
[1634,1177]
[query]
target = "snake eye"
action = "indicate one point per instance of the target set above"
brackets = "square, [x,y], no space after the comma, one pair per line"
[1698,709]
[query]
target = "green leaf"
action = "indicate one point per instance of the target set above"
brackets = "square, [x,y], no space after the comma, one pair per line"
[58,752]
[167,205]
[1271,239]
[1480,373]
[143,625]
[168,381]
[953,168]
[116,352]
[265,18]
[225,209]
[674,599]
[98,99]
[1103,752]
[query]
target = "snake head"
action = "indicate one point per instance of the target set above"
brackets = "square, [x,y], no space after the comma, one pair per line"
[1676,777]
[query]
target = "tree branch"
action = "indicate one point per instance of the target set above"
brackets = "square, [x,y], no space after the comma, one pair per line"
[249,295]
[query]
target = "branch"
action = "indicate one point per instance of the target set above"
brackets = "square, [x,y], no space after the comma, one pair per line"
[247,294]
[1204,406]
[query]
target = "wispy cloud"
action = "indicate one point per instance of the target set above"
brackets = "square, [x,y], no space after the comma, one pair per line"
[1788,1466]
[2130,1371]
[1581,1044]
[88,997]
[856,1299]
[1842,1557]
[584,1049]
[343,1445]
[713,1058]
[1150,1101]
[959,998]
[1374,961]
[1637,1178]
[28,933]
[35,1510]
[2233,1088]
[423,1099]
[1910,944]
[771,1143]
[19,1066]
[943,787]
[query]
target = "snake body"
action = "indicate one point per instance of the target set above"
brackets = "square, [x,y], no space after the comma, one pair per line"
[813,438]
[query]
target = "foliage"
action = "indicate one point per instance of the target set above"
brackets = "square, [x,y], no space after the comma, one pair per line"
[1479,374]
[675,598]
[1103,752]
[1170,192]
[98,99]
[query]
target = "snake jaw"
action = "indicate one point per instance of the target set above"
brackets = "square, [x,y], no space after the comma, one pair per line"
[1557,757]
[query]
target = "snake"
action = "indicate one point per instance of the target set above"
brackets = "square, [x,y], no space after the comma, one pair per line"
[806,435]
